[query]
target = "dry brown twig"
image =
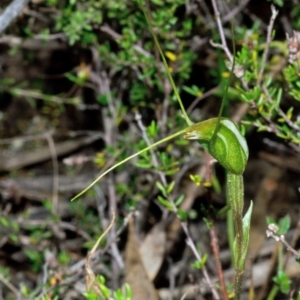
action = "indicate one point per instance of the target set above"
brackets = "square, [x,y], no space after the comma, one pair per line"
[212,229]
[53,152]
[269,39]
[90,276]
[10,286]
[223,46]
[271,232]
[141,126]
[11,12]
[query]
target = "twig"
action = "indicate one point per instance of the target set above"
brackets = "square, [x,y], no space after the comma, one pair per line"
[117,36]
[221,32]
[38,136]
[215,247]
[203,96]
[221,46]
[53,152]
[140,124]
[293,243]
[102,81]
[36,15]
[224,46]
[45,272]
[212,230]
[191,244]
[10,286]
[11,12]
[165,82]
[208,19]
[269,274]
[271,232]
[36,43]
[60,100]
[171,276]
[49,224]
[235,11]
[269,39]
[89,274]
[117,261]
[280,112]
[110,139]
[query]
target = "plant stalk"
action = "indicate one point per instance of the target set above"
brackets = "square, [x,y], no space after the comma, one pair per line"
[236,198]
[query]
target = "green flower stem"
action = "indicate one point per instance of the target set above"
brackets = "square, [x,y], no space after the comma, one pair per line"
[226,144]
[186,117]
[235,192]
[230,228]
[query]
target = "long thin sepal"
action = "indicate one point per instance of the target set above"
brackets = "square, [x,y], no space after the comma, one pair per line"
[127,159]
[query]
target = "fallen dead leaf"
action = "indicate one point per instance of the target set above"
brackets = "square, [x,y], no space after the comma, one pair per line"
[153,250]
[136,276]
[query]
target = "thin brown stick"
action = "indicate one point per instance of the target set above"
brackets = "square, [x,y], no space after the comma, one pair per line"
[271,232]
[154,159]
[117,261]
[269,39]
[235,11]
[10,286]
[11,12]
[203,96]
[224,46]
[221,32]
[212,231]
[272,266]
[53,152]
[117,36]
[293,244]
[215,247]
[191,244]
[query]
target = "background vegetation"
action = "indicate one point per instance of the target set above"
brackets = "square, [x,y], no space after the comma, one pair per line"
[83,86]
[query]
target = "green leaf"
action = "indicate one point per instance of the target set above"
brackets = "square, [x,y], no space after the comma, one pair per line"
[282,280]
[152,129]
[4,222]
[179,200]
[246,232]
[216,184]
[284,225]
[105,291]
[166,203]
[161,188]
[278,97]
[170,187]
[200,264]
[128,291]
[182,214]
[289,113]
[196,179]
[193,90]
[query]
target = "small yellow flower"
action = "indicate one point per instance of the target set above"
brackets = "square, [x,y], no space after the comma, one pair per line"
[199,94]
[171,56]
[100,159]
[53,281]
[207,184]
[225,74]
[254,55]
